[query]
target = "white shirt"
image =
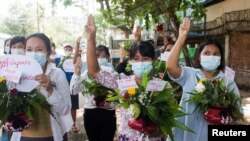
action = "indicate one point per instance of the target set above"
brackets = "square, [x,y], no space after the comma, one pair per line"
[60,101]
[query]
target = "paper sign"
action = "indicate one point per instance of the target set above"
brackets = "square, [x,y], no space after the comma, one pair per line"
[27,66]
[16,136]
[124,84]
[164,56]
[68,65]
[13,75]
[156,85]
[229,73]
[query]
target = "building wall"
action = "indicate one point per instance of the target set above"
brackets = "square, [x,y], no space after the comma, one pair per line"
[218,9]
[239,58]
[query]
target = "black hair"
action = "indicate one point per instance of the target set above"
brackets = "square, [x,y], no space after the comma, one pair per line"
[210,41]
[104,49]
[17,39]
[44,38]
[145,48]
[5,41]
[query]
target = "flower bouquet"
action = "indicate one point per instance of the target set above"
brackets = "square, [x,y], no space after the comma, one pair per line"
[98,91]
[19,108]
[216,102]
[152,110]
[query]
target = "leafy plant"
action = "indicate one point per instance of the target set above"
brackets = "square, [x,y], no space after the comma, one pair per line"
[13,102]
[214,93]
[159,107]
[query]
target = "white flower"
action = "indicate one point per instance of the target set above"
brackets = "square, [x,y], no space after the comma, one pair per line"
[200,88]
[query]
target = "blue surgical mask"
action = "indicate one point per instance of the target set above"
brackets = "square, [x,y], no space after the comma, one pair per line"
[210,63]
[141,67]
[40,57]
[102,61]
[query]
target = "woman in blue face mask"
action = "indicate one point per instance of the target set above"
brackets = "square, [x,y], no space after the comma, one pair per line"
[141,58]
[53,86]
[209,64]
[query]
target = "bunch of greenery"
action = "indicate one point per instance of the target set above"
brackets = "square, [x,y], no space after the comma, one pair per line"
[160,107]
[214,93]
[14,102]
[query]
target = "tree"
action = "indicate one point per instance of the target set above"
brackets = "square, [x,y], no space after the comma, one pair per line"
[21,21]
[123,13]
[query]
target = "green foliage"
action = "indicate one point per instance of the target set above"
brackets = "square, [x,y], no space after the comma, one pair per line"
[20,20]
[19,102]
[96,89]
[216,94]
[160,107]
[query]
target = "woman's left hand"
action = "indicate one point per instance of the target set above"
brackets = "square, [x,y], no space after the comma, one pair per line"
[44,81]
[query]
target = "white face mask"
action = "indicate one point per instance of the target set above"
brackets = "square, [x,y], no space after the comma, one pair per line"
[7,49]
[102,61]
[17,51]
[210,63]
[67,53]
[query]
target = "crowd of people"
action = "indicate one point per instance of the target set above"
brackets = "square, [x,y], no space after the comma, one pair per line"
[61,88]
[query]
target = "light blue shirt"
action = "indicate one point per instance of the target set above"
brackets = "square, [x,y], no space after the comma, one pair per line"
[194,119]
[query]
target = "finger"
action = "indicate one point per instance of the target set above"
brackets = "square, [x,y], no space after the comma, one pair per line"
[188,23]
[38,77]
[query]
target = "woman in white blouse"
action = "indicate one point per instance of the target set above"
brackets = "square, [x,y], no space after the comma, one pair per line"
[53,86]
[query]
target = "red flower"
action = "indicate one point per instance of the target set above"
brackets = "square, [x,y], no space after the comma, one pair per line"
[214,82]
[14,91]
[126,96]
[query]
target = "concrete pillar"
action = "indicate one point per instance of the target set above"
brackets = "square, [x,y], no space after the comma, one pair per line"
[227,49]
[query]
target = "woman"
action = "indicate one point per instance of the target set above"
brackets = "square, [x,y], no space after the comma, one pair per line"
[99,116]
[141,57]
[54,86]
[210,60]
[17,45]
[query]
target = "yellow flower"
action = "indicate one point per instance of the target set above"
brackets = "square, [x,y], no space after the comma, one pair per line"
[2,79]
[202,80]
[131,91]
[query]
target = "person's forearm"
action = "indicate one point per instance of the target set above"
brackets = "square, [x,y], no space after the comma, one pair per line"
[175,52]
[92,63]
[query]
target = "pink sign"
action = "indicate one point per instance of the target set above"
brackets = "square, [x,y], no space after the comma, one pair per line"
[124,84]
[156,85]
[12,65]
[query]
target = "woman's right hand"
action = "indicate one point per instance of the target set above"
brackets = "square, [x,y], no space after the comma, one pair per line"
[90,28]
[184,27]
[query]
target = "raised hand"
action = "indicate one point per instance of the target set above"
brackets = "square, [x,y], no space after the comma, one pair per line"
[78,66]
[184,27]
[78,41]
[90,28]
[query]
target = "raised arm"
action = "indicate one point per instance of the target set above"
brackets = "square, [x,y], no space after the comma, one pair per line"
[92,63]
[173,66]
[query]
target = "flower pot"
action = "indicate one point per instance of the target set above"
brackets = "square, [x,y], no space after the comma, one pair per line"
[142,125]
[218,115]
[17,122]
